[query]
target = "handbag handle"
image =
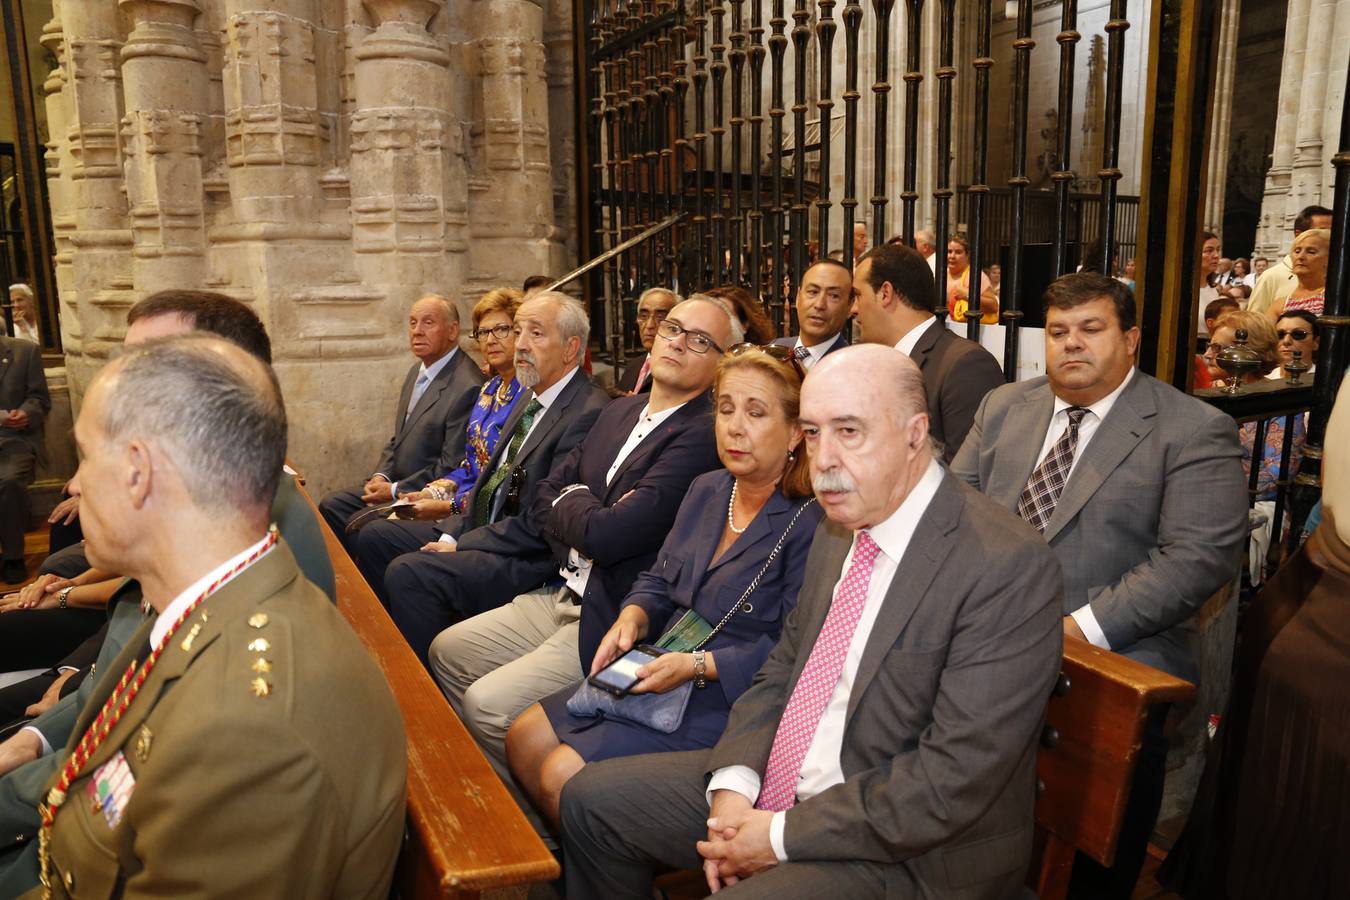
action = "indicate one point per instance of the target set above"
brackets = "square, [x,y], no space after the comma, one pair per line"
[755,581]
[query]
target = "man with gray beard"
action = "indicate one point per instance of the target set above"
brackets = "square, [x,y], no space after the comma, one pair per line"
[431,575]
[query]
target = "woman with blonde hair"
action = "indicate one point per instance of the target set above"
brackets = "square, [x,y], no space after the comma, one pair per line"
[714,602]
[1308,258]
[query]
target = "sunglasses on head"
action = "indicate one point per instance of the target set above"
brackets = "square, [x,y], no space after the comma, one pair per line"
[1298,334]
[776,351]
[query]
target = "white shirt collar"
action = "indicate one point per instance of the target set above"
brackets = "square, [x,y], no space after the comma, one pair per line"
[439,365]
[547,397]
[650,418]
[1102,406]
[893,534]
[819,350]
[194,590]
[906,344]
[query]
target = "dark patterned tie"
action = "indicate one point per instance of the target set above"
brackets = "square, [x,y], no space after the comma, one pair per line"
[1042,492]
[800,354]
[482,503]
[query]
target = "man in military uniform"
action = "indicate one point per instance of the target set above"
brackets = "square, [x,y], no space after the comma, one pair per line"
[250,746]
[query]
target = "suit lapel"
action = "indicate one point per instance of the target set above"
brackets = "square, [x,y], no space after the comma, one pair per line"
[710,522]
[1024,427]
[928,547]
[405,395]
[1128,422]
[551,416]
[764,526]
[925,344]
[652,442]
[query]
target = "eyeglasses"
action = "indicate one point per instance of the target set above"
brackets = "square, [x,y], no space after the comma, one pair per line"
[500,332]
[1298,334]
[776,351]
[696,341]
[647,315]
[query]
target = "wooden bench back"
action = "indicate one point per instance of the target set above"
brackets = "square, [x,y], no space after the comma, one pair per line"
[465,833]
[1089,746]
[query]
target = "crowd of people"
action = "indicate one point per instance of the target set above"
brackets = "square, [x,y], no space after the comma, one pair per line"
[786,610]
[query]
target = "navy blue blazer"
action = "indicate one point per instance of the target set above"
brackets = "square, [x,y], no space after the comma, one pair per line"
[619,526]
[685,577]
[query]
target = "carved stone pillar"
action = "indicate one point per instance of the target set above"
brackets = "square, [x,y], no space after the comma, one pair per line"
[1223,116]
[101,262]
[60,189]
[273,130]
[164,82]
[512,199]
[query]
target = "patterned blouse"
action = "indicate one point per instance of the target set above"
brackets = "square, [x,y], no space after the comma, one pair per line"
[484,428]
[1271,450]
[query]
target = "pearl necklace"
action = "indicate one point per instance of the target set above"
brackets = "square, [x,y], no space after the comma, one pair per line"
[731,505]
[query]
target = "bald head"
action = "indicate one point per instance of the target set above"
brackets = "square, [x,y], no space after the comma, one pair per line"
[864,414]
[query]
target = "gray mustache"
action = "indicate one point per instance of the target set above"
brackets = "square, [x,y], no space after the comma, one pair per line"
[832,481]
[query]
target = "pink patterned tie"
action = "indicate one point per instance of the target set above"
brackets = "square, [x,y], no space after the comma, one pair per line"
[816,684]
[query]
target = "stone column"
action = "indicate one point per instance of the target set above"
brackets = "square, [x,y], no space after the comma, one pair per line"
[273,130]
[60,190]
[1306,173]
[1272,238]
[164,83]
[101,242]
[1223,114]
[512,200]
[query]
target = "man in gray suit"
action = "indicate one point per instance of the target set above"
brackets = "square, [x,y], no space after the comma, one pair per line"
[887,746]
[433,408]
[1137,487]
[24,403]
[893,298]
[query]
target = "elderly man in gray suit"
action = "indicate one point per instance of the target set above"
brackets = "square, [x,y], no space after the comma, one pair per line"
[887,747]
[438,394]
[1137,487]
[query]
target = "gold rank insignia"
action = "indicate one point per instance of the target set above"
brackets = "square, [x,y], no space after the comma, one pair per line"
[143,739]
[261,687]
[262,666]
[259,645]
[257,620]
[191,636]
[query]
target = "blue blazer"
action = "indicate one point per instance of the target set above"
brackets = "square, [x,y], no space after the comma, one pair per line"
[619,525]
[685,577]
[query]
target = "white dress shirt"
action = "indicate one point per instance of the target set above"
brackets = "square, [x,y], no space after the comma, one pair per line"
[577,571]
[906,344]
[1086,429]
[821,767]
[429,373]
[817,353]
[546,400]
[180,603]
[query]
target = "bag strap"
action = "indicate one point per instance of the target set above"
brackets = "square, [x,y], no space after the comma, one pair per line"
[755,582]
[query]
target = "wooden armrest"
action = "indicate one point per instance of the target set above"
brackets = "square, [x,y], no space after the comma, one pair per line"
[465,832]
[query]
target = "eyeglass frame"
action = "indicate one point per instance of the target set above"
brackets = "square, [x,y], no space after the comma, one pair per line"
[681,330]
[478,334]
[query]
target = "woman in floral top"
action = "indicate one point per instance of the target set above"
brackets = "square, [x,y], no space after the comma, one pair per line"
[492,320]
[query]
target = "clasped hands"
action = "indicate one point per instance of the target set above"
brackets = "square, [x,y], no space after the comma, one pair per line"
[738,843]
[15,419]
[40,594]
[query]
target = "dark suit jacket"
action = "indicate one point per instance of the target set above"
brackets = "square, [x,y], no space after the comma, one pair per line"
[23,385]
[939,745]
[431,441]
[622,536]
[1151,522]
[957,373]
[559,428]
[628,380]
[839,343]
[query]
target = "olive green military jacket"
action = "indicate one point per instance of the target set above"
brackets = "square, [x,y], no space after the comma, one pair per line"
[263,757]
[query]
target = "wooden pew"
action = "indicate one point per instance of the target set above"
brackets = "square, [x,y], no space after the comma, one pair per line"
[1091,740]
[465,833]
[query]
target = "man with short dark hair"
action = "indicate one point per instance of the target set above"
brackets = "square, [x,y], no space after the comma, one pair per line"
[223,727]
[438,394]
[893,299]
[1278,281]
[1110,464]
[824,302]
[887,747]
[652,308]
